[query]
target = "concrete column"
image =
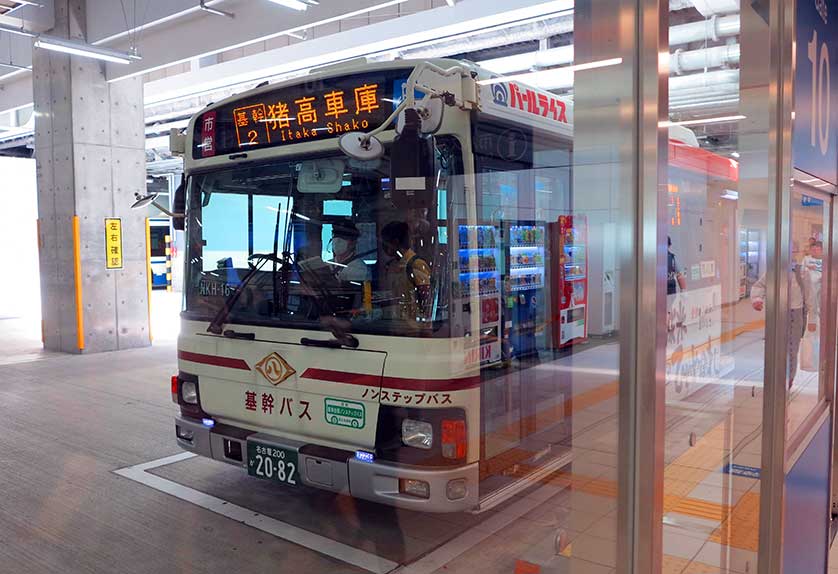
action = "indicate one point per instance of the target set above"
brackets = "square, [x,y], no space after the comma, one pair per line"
[90,152]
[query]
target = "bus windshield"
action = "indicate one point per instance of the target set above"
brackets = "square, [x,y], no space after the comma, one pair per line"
[321,241]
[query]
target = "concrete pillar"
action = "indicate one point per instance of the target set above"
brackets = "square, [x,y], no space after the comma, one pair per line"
[90,152]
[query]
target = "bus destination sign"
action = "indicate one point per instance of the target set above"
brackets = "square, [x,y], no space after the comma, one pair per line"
[310,111]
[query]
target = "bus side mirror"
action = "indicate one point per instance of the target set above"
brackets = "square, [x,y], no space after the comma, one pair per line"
[411,164]
[179,205]
[412,153]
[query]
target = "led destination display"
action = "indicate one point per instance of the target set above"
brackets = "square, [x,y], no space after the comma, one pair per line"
[309,111]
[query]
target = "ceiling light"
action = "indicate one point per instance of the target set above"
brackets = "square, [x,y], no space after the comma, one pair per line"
[717,120]
[532,77]
[450,2]
[293,4]
[84,50]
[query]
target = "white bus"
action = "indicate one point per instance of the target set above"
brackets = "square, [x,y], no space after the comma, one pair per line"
[386,280]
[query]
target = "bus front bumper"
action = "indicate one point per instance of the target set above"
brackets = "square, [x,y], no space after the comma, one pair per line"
[339,470]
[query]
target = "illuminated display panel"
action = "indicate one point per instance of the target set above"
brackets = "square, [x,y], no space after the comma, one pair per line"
[313,110]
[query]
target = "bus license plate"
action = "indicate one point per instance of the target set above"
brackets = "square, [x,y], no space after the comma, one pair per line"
[272,463]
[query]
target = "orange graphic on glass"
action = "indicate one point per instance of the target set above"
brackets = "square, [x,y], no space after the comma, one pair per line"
[366,98]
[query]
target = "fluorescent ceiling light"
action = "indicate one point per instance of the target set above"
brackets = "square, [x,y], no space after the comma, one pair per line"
[79,49]
[534,77]
[717,120]
[293,4]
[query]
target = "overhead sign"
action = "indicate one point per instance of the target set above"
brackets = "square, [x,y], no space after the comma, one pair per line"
[815,135]
[313,110]
[113,243]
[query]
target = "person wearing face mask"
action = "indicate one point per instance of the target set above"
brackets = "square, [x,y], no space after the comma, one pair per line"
[350,264]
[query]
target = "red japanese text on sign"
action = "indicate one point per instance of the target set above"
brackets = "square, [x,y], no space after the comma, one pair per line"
[537,103]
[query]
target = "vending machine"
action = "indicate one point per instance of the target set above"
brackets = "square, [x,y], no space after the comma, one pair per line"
[569,243]
[479,267]
[524,287]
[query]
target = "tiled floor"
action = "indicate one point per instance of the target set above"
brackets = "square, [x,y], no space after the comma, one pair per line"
[833,559]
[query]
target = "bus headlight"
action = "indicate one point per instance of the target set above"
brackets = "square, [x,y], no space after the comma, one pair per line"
[418,434]
[189,392]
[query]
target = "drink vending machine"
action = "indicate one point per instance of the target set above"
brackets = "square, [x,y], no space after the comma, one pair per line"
[524,287]
[569,243]
[479,264]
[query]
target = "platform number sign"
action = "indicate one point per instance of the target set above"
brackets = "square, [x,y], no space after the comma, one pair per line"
[816,83]
[113,243]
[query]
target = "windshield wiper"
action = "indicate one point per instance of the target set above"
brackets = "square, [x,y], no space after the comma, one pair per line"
[348,340]
[216,327]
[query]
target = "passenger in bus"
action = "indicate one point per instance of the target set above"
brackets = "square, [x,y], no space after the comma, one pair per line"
[345,249]
[406,275]
[798,295]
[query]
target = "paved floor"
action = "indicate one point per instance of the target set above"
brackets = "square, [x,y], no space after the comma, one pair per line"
[69,422]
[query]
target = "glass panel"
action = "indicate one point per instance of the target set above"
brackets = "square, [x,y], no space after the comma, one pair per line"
[296,252]
[810,229]
[433,330]
[716,238]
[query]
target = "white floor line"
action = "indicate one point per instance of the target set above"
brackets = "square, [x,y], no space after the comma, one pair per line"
[272,526]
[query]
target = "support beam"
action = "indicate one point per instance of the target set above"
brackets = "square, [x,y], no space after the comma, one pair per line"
[90,153]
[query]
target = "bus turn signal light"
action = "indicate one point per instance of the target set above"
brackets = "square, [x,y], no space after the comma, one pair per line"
[174,388]
[454,441]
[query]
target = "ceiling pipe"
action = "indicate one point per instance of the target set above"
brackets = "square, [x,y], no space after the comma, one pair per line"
[709,8]
[680,61]
[685,61]
[714,28]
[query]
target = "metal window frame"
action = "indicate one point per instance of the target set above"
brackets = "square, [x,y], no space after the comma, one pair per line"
[781,31]
[642,388]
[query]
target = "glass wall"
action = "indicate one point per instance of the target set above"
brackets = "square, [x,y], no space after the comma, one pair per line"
[807,315]
[717,237]
[447,312]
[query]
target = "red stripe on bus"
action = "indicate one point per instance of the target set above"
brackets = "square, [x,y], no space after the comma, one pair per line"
[430,384]
[213,360]
[342,377]
[392,382]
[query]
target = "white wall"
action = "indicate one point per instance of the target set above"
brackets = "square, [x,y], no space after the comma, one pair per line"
[20,284]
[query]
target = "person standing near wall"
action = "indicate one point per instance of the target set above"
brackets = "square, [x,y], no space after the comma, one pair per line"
[797,312]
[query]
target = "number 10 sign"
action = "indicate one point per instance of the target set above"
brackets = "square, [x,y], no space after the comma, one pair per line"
[815,141]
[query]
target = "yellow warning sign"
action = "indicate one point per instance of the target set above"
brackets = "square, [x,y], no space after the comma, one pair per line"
[113,243]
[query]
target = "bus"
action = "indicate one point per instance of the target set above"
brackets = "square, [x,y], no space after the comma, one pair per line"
[158,232]
[387,285]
